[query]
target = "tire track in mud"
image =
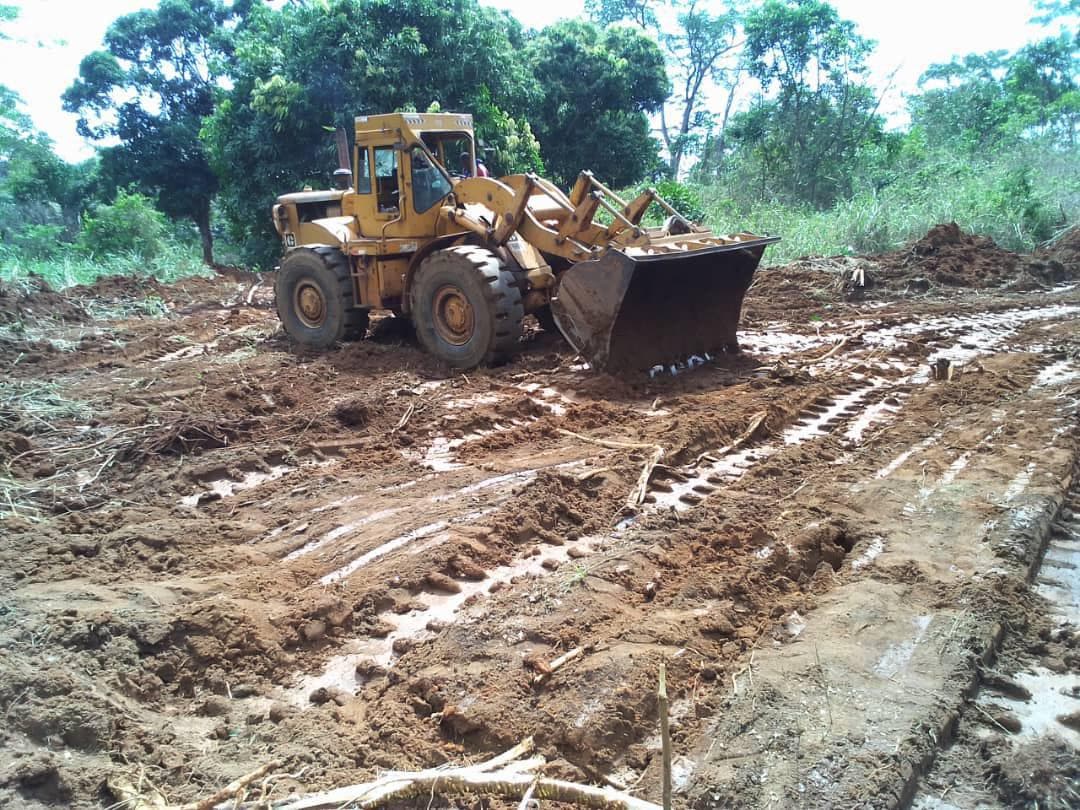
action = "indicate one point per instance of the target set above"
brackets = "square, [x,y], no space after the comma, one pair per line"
[1018,739]
[966,468]
[445,668]
[861,401]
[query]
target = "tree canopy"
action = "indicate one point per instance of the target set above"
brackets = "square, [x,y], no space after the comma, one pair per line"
[150,88]
[598,86]
[303,69]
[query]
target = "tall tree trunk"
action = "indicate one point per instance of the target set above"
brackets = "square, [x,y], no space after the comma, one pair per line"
[202,221]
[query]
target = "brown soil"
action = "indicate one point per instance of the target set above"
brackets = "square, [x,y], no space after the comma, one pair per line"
[220,548]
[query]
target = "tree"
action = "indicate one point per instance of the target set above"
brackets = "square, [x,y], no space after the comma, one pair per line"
[696,53]
[694,48]
[151,88]
[598,87]
[301,69]
[803,135]
[639,12]
[990,100]
[40,194]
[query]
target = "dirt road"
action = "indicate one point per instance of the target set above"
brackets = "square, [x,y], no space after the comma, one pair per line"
[219,550]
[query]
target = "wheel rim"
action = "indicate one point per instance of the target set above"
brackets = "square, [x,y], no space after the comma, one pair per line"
[454,318]
[309,304]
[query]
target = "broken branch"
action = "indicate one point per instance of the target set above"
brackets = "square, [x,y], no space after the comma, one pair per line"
[557,664]
[608,443]
[637,494]
[232,789]
[665,736]
[756,422]
[503,776]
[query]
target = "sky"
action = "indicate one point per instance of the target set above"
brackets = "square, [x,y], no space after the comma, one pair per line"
[50,37]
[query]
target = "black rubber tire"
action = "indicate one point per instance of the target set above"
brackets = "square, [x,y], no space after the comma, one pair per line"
[326,270]
[476,275]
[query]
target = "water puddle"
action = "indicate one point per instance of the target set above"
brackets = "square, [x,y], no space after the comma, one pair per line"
[440,609]
[227,487]
[897,656]
[1058,373]
[1019,483]
[898,462]
[340,531]
[1053,694]
[398,542]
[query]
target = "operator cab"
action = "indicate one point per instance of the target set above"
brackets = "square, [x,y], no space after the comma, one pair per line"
[403,164]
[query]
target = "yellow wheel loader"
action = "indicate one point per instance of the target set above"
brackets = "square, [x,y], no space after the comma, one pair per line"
[409,227]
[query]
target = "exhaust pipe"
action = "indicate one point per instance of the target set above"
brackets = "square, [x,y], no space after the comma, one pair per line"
[343,173]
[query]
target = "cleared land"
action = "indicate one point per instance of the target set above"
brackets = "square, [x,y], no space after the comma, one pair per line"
[220,551]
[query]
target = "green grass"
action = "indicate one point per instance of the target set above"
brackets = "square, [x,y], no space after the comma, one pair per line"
[73,269]
[1018,201]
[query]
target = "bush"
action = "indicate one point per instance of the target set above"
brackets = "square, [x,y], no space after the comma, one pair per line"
[131,225]
[683,198]
[39,241]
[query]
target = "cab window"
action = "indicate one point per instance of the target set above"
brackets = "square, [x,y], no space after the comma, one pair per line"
[429,185]
[363,171]
[386,178]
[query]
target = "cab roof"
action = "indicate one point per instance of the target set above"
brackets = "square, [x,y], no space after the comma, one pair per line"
[415,122]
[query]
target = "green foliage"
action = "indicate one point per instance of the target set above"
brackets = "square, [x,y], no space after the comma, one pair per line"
[131,225]
[996,99]
[151,88]
[303,67]
[694,49]
[800,143]
[684,198]
[1019,198]
[38,241]
[597,87]
[67,268]
[606,12]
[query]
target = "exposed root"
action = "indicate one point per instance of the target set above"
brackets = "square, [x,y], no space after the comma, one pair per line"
[506,775]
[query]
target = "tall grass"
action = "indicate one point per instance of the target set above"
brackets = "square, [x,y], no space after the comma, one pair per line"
[1017,200]
[72,268]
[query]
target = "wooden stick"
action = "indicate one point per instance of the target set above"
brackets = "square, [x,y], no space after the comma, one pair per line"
[528,796]
[608,443]
[637,494]
[232,789]
[744,437]
[457,781]
[665,736]
[838,347]
[130,798]
[595,471]
[524,747]
[343,444]
[406,416]
[557,664]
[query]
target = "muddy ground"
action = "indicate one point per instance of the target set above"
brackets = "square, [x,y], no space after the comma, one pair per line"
[220,550]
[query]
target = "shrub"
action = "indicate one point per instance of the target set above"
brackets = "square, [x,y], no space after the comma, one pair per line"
[39,241]
[683,199]
[131,225]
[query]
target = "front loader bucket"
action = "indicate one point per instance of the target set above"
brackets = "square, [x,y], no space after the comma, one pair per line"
[631,312]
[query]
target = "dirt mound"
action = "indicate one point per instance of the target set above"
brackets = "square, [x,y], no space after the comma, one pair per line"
[35,300]
[1064,249]
[119,288]
[948,256]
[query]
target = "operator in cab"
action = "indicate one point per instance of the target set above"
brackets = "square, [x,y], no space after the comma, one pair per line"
[466,166]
